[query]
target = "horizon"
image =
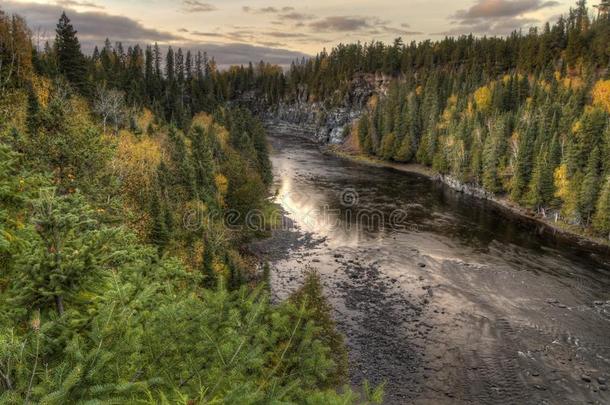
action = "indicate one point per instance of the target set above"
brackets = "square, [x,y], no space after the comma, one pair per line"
[240,31]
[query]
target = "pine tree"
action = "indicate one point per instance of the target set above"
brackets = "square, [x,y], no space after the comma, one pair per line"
[71,61]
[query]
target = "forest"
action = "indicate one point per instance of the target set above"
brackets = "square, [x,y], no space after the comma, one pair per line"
[120,281]
[110,293]
[526,117]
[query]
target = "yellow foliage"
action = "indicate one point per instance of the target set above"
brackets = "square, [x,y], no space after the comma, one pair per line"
[222,184]
[470,110]
[373,101]
[419,90]
[43,88]
[574,83]
[562,183]
[566,190]
[577,127]
[13,110]
[203,120]
[601,94]
[145,118]
[136,163]
[482,98]
[452,101]
[219,267]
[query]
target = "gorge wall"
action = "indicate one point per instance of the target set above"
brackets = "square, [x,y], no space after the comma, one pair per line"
[323,123]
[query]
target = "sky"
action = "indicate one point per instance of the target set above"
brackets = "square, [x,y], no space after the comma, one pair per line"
[279,31]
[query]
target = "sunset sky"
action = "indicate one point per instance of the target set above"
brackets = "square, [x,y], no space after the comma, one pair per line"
[237,31]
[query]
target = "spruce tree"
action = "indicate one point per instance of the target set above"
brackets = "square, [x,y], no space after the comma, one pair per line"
[67,255]
[159,234]
[589,188]
[601,221]
[523,164]
[71,61]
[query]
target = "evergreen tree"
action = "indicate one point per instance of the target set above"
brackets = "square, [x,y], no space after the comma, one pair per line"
[590,187]
[159,234]
[70,59]
[364,135]
[601,221]
[66,257]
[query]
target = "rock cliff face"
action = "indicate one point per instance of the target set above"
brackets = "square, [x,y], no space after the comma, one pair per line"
[322,123]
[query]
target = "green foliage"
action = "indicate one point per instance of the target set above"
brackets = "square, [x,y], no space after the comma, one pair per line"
[601,222]
[311,296]
[70,59]
[90,314]
[524,116]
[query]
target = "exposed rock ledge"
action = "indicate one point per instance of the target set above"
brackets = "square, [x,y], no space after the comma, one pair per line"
[323,124]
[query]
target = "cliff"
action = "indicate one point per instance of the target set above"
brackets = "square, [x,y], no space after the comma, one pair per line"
[323,123]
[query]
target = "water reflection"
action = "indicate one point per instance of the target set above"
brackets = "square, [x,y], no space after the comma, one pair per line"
[359,206]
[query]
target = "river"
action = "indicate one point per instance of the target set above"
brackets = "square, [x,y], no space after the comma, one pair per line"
[445,297]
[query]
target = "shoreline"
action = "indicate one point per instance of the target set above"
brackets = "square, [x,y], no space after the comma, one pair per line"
[561,229]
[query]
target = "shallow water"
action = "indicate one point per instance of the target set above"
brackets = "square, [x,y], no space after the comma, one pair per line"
[447,298]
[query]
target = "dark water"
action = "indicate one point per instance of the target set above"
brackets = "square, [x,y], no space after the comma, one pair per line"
[447,298]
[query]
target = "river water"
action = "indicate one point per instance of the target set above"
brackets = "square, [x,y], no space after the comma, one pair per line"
[446,298]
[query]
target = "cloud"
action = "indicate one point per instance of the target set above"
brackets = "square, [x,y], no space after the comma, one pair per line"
[84,4]
[496,17]
[384,29]
[487,9]
[296,16]
[280,34]
[500,27]
[207,34]
[197,6]
[267,10]
[372,26]
[341,24]
[92,26]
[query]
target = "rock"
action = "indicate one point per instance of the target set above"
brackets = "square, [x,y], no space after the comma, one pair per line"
[316,260]
[338,256]
[586,378]
[535,374]
[422,265]
[552,301]
[562,306]
[601,380]
[598,303]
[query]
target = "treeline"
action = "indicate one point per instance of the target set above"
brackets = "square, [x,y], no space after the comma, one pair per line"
[174,84]
[525,116]
[120,280]
[574,44]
